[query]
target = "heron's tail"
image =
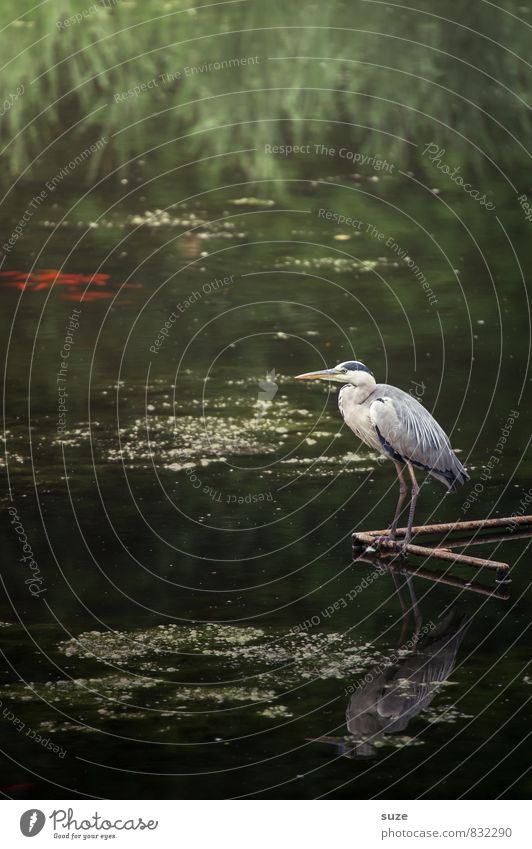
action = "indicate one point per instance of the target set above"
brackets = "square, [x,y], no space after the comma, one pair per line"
[454,477]
[458,480]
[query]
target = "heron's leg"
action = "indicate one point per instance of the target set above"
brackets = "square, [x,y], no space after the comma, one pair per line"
[413,500]
[418,619]
[404,608]
[403,489]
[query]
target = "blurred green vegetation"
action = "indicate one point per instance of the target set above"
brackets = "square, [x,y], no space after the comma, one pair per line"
[382,78]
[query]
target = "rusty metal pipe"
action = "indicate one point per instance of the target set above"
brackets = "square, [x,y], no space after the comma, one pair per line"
[453,582]
[483,540]
[424,551]
[436,578]
[451,527]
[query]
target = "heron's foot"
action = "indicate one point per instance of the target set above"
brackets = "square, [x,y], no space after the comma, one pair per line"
[384,538]
[403,543]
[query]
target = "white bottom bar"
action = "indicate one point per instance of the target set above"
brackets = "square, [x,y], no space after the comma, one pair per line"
[265,824]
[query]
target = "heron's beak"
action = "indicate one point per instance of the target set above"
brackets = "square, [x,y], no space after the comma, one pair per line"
[325,374]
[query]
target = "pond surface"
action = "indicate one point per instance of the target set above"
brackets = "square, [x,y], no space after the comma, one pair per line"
[192,623]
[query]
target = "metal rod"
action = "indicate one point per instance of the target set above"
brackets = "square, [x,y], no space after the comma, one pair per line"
[424,551]
[458,526]
[435,577]
[483,540]
[453,582]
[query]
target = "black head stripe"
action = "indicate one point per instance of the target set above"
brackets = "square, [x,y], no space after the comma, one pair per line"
[354,365]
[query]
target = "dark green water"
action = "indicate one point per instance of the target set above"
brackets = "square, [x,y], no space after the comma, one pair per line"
[183,525]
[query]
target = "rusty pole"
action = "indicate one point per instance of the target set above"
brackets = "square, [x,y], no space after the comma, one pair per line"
[425,551]
[401,568]
[453,582]
[473,524]
[483,540]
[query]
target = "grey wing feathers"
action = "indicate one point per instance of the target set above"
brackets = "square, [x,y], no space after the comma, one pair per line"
[408,432]
[405,689]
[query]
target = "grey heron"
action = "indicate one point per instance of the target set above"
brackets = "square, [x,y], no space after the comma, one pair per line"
[396,425]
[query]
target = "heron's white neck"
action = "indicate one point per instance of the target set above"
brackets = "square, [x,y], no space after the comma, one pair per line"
[365,385]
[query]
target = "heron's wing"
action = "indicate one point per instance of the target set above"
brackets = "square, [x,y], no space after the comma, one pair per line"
[420,675]
[408,432]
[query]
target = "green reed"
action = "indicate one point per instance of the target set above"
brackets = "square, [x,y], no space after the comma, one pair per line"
[367,75]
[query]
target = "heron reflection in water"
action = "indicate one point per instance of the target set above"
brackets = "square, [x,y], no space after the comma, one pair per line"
[392,695]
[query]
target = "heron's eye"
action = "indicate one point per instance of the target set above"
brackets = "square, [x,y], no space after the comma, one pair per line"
[344,371]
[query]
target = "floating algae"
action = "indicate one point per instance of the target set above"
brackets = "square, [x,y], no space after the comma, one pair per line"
[120,647]
[105,699]
[275,712]
[333,263]
[251,201]
[189,438]
[203,228]
[281,660]
[445,714]
[76,690]
[235,668]
[208,434]
[329,466]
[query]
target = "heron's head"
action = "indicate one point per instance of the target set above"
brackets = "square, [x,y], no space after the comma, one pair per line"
[349,372]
